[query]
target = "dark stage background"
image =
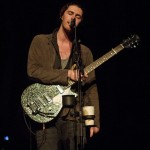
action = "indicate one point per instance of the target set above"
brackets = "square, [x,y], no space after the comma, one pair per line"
[123,81]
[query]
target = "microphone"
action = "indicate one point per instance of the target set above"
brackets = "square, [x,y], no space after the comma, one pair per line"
[73,23]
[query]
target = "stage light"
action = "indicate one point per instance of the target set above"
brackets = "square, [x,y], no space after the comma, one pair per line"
[6,138]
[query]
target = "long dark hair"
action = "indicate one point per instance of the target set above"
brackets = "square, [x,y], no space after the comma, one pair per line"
[65,7]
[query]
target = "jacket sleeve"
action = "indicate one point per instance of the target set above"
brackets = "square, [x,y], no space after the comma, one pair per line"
[91,96]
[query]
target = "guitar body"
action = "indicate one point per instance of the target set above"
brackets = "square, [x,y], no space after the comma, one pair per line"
[42,103]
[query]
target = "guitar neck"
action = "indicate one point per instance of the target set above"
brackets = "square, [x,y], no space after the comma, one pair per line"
[100,61]
[103,59]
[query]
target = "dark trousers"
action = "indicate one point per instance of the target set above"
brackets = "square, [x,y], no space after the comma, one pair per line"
[64,135]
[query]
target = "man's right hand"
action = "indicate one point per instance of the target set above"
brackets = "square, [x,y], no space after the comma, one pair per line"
[74,75]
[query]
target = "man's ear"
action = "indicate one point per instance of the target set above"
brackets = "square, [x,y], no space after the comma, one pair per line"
[60,17]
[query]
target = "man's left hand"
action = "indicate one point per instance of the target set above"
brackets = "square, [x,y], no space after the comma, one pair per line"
[94,130]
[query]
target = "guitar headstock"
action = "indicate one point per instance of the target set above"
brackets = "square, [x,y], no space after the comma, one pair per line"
[131,42]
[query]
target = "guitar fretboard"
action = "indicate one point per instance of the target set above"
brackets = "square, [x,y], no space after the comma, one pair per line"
[103,59]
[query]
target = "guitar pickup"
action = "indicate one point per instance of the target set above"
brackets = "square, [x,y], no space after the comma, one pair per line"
[47,98]
[41,101]
[60,89]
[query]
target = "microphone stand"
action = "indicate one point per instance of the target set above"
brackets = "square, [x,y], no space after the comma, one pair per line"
[78,61]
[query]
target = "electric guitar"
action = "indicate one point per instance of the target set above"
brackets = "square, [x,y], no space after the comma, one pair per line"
[42,103]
